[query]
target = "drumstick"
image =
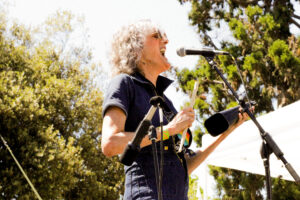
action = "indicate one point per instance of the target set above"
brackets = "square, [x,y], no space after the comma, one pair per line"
[193,98]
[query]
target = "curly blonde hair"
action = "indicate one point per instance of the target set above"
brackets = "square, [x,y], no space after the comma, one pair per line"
[127,45]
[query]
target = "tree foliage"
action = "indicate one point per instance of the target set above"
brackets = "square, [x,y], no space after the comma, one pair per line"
[192,194]
[50,114]
[268,55]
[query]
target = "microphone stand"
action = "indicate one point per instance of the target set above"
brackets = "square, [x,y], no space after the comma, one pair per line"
[265,153]
[153,138]
[161,121]
[133,147]
[269,145]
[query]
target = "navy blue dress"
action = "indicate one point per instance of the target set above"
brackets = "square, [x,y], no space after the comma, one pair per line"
[132,94]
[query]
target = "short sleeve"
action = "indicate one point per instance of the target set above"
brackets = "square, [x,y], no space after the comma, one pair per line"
[119,94]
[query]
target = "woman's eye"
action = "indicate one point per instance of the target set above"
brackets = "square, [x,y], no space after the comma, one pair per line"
[157,35]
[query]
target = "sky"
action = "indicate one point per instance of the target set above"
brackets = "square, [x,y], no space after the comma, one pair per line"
[105,17]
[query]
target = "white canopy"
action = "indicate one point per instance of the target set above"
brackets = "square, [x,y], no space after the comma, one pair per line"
[241,149]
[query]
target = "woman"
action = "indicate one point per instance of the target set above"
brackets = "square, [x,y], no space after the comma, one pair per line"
[138,59]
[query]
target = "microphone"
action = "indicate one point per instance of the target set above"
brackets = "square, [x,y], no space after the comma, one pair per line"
[133,148]
[206,52]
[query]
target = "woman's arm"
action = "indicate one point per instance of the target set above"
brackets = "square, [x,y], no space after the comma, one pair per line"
[194,161]
[115,139]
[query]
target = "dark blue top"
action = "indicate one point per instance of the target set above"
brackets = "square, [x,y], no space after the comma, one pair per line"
[132,94]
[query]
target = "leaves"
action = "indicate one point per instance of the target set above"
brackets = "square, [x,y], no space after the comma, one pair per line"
[268,55]
[50,116]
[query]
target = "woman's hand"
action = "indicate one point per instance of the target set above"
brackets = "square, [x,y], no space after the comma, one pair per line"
[243,116]
[194,161]
[184,119]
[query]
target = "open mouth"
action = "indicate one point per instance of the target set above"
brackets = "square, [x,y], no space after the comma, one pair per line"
[163,51]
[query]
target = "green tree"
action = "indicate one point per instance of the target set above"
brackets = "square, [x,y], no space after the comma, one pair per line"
[269,57]
[50,114]
[193,180]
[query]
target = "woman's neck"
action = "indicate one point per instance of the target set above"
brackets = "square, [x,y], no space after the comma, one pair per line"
[150,73]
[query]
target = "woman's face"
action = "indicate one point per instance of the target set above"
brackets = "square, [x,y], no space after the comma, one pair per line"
[154,51]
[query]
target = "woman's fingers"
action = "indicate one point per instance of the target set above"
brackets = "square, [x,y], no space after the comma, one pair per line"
[190,114]
[243,116]
[184,119]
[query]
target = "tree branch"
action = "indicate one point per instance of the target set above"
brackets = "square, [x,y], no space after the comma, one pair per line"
[213,81]
[245,3]
[296,16]
[296,23]
[210,40]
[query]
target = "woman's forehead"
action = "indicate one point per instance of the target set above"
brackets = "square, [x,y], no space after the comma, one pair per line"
[157,30]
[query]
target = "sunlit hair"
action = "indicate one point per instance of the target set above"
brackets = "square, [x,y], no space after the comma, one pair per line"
[127,45]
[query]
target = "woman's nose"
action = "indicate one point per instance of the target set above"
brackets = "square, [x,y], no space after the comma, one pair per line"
[165,39]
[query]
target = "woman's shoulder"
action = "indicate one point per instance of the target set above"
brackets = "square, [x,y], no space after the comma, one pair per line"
[121,76]
[121,79]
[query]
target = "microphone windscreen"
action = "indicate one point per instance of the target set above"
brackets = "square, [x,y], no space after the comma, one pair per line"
[181,52]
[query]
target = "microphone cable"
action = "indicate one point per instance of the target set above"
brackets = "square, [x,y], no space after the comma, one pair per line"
[21,169]
[243,83]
